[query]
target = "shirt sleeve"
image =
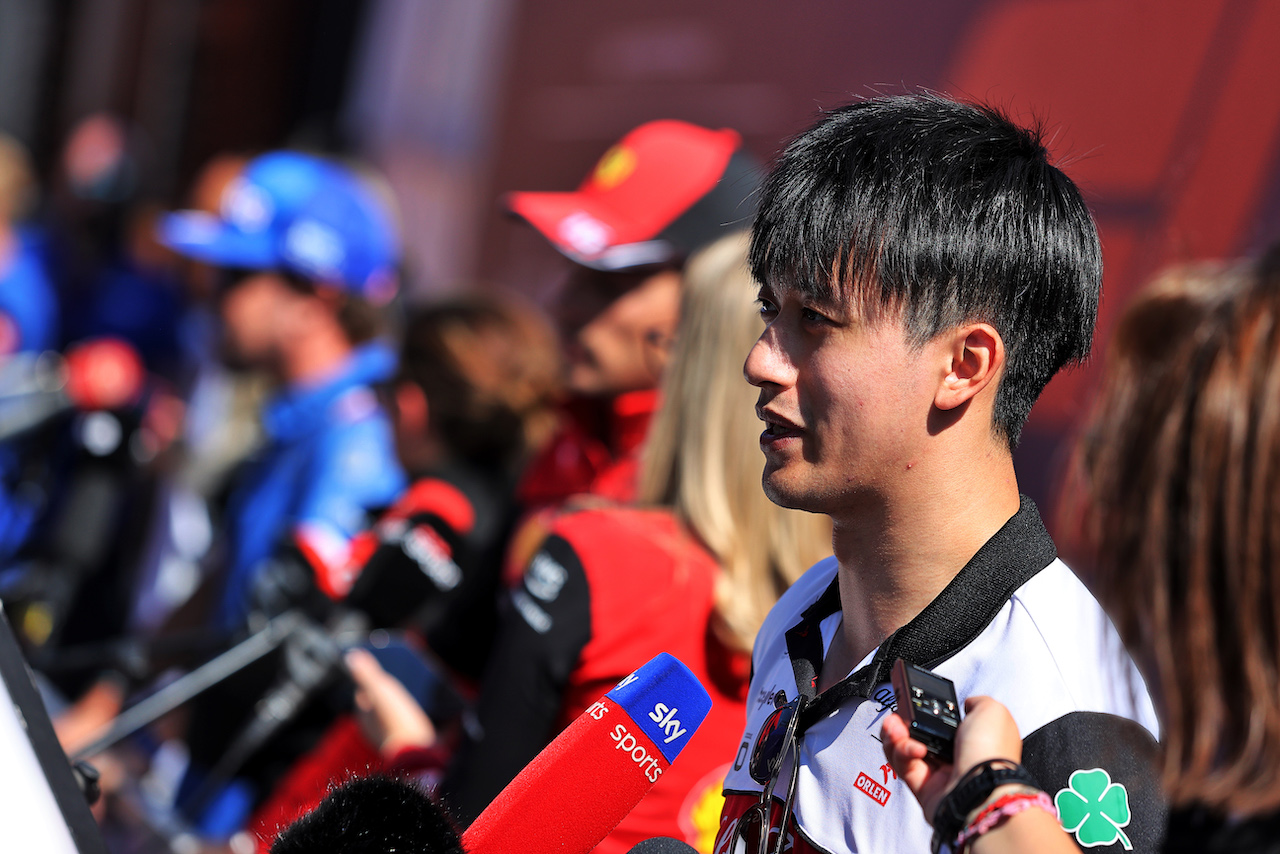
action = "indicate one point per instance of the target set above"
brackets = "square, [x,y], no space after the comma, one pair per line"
[544,625]
[1102,772]
[354,471]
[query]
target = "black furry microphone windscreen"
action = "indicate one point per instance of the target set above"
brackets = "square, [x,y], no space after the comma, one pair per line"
[372,815]
[662,845]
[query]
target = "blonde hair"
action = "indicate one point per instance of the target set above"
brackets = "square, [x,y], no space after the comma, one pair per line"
[702,458]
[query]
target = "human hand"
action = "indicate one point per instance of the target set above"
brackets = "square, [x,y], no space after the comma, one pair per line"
[389,716]
[988,731]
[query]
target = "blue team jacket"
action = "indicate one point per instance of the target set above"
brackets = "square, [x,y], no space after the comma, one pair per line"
[329,460]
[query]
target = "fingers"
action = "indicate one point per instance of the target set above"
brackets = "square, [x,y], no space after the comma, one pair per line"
[363,666]
[897,741]
[389,715]
[988,731]
[906,755]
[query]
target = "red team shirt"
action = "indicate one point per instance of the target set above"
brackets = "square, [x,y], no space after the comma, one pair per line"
[609,590]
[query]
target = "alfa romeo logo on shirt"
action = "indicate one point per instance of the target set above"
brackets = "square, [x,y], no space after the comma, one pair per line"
[1094,809]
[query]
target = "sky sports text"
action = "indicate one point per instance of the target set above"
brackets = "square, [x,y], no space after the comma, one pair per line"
[663,715]
[645,761]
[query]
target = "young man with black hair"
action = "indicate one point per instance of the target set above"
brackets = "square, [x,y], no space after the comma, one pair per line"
[924,272]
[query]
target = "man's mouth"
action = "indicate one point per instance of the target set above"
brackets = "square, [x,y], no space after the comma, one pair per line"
[776,427]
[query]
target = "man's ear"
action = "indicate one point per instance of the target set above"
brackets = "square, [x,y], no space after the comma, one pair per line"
[975,359]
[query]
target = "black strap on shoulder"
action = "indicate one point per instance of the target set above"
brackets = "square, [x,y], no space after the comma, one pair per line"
[1014,554]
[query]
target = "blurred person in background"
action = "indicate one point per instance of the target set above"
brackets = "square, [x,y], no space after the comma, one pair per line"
[691,568]
[664,190]
[473,400]
[29,317]
[1175,491]
[307,257]
[114,279]
[29,323]
[475,396]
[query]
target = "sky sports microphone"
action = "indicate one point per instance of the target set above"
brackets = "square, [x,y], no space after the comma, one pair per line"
[586,781]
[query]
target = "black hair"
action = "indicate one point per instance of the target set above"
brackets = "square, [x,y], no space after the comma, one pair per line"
[489,369]
[938,213]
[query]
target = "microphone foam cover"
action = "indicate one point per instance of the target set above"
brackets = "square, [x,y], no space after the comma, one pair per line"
[585,782]
[662,845]
[372,814]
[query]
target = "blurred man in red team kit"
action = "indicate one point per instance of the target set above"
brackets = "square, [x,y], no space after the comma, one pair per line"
[665,190]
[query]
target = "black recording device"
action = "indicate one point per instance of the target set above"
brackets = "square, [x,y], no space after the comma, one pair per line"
[927,702]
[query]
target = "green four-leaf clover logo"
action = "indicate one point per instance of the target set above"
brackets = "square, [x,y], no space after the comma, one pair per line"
[1094,809]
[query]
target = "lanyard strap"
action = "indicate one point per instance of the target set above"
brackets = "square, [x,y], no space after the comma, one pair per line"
[967,605]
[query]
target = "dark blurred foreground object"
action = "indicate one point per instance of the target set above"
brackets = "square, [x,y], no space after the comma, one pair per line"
[662,845]
[372,815]
[43,806]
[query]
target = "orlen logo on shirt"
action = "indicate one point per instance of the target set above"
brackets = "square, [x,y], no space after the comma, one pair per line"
[872,789]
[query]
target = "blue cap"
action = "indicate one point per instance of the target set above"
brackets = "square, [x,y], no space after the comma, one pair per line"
[299,213]
[666,701]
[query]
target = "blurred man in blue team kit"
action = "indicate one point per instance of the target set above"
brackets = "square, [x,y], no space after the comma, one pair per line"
[306,254]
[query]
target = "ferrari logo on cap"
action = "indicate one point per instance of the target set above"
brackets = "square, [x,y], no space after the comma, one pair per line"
[615,167]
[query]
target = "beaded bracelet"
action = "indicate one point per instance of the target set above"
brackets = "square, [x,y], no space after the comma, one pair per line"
[974,787]
[999,812]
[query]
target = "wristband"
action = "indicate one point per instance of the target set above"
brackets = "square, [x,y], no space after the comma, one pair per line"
[974,787]
[1003,808]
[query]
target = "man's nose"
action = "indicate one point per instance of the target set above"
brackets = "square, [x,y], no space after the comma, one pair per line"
[767,363]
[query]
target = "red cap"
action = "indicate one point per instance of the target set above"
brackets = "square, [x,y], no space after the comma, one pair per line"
[631,211]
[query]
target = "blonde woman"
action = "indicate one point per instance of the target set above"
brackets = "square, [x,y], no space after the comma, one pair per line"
[691,569]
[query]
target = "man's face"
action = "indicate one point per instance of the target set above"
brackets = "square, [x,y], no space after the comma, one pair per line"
[616,328]
[251,308]
[846,403]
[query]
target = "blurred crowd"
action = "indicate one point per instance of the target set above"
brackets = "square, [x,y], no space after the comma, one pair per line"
[419,538]
[324,531]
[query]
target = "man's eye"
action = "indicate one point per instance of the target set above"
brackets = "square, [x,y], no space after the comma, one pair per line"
[811,316]
[767,309]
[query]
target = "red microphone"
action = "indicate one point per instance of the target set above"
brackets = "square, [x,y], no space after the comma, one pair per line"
[577,790]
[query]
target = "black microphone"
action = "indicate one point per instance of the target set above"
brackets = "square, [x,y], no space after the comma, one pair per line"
[662,845]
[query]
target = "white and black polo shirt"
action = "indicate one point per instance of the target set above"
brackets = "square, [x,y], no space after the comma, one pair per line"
[1015,624]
